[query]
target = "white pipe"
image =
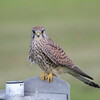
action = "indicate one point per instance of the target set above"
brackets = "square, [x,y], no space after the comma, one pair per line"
[14,88]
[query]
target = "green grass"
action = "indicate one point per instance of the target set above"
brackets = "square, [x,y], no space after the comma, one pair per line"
[73,24]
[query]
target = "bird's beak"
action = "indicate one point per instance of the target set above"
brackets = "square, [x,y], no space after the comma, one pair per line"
[38,34]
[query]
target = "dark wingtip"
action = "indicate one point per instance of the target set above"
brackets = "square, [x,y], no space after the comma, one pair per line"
[90,78]
[77,70]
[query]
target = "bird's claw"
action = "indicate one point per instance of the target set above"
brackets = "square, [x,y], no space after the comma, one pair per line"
[43,76]
[50,77]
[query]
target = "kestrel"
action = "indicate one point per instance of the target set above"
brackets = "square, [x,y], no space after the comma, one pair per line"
[52,59]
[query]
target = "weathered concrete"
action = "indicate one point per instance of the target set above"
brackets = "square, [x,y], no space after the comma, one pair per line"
[37,89]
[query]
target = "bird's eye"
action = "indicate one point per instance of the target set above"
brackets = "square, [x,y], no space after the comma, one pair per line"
[42,31]
[33,31]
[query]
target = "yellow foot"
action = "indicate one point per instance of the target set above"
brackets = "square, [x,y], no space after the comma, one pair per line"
[43,76]
[50,77]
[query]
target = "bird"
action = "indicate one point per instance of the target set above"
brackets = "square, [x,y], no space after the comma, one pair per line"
[52,59]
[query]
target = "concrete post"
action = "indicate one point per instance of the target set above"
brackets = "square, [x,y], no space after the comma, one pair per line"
[36,89]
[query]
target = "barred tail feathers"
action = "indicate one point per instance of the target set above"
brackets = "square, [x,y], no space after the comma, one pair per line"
[86,81]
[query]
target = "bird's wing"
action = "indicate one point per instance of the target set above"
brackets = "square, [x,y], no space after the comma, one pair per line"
[31,54]
[58,56]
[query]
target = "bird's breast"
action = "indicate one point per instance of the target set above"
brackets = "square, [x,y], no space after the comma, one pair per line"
[44,62]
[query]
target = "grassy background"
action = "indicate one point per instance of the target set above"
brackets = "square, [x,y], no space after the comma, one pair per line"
[73,24]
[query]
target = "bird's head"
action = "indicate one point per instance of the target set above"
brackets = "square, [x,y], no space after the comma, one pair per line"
[38,32]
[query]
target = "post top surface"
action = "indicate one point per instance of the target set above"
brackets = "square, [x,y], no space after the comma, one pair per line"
[35,84]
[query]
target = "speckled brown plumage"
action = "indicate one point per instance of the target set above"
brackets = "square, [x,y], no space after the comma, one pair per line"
[51,58]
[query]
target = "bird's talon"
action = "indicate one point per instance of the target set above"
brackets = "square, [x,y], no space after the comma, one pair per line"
[50,77]
[43,76]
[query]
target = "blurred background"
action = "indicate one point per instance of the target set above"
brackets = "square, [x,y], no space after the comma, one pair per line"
[73,24]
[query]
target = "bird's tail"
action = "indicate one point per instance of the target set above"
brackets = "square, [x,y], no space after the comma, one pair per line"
[86,81]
